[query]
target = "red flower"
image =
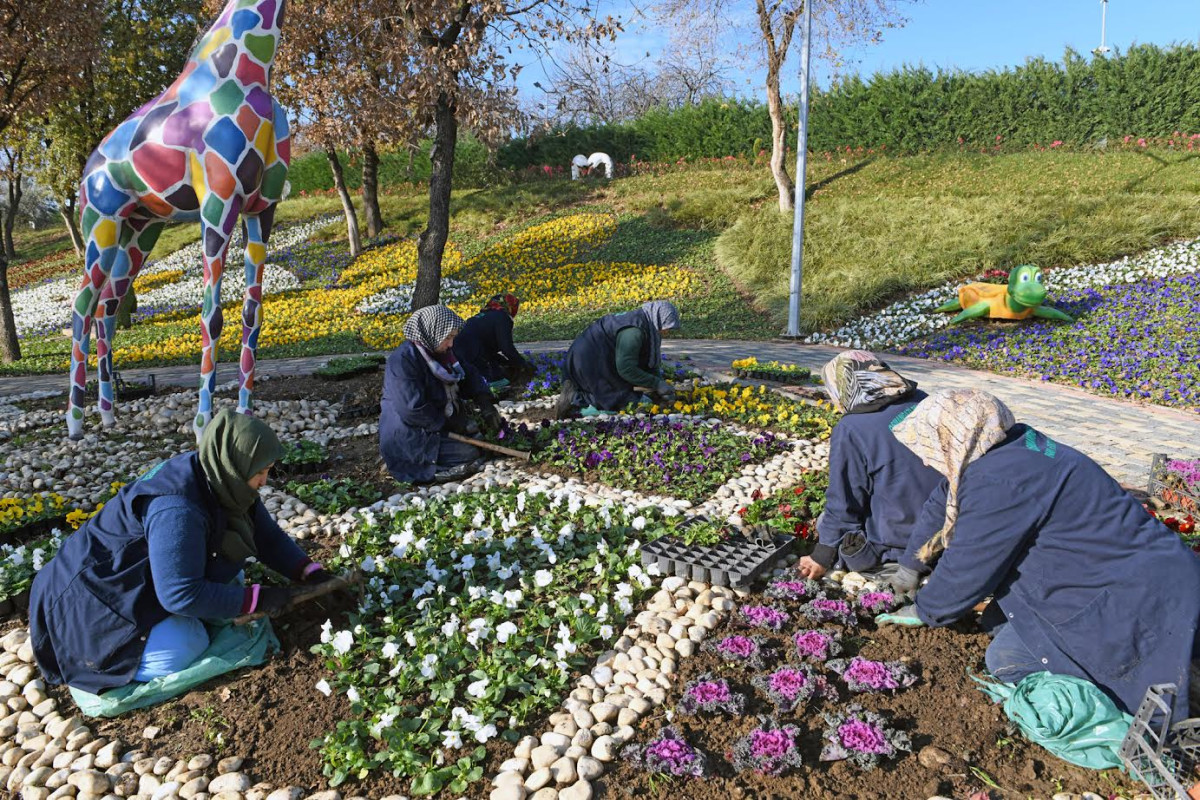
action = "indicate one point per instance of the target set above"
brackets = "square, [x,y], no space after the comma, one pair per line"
[756,494]
[742,511]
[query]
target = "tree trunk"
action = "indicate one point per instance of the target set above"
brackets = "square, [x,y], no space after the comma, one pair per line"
[432,242]
[10,346]
[370,190]
[783,182]
[339,180]
[67,211]
[15,190]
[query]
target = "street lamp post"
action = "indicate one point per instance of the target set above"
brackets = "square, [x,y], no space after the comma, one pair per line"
[793,329]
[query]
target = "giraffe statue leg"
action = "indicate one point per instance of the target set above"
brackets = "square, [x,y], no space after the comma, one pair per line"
[104,258]
[258,231]
[216,248]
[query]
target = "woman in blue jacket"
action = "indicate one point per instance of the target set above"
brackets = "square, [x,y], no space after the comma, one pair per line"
[424,390]
[1084,582]
[615,354]
[486,342]
[123,599]
[877,486]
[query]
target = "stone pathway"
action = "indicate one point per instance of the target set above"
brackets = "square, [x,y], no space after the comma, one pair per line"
[1120,435]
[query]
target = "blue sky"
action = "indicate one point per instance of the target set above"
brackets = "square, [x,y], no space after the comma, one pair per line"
[967,34]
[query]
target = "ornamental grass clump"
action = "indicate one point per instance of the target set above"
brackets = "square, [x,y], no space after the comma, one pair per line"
[789,688]
[817,645]
[862,737]
[746,650]
[711,695]
[824,609]
[872,603]
[769,617]
[769,749]
[784,589]
[667,754]
[863,675]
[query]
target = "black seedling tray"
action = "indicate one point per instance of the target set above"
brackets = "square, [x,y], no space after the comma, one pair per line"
[735,562]
[795,379]
[1180,498]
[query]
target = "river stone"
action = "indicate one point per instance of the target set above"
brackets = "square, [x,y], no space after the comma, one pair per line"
[109,754]
[524,747]
[545,793]
[148,784]
[581,790]
[66,791]
[604,712]
[506,793]
[163,765]
[328,794]
[35,793]
[538,778]
[604,749]
[515,765]
[563,771]
[202,761]
[287,793]
[126,785]
[229,782]
[583,739]
[583,719]
[589,768]
[933,757]
[627,716]
[544,756]
[38,776]
[90,781]
[603,675]
[194,787]
[231,764]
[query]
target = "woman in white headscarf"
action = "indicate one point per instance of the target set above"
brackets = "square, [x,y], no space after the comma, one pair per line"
[425,391]
[1084,582]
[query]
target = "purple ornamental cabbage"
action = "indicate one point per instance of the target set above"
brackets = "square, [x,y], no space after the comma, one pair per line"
[823,609]
[862,675]
[768,749]
[667,754]
[783,589]
[791,687]
[817,645]
[872,603]
[861,737]
[768,617]
[710,695]
[747,650]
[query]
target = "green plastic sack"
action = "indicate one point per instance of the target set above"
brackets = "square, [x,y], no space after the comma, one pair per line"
[230,647]
[1068,716]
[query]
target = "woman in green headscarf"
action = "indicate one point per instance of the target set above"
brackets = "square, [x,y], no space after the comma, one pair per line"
[124,598]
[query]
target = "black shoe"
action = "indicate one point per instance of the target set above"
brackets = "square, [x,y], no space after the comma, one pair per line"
[456,473]
[565,408]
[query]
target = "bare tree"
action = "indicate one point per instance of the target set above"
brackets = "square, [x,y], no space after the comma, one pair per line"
[771,24]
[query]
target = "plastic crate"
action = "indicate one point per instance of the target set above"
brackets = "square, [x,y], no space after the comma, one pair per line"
[1181,498]
[1163,756]
[735,562]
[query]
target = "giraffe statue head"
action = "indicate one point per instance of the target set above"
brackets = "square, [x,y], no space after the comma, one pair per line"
[212,148]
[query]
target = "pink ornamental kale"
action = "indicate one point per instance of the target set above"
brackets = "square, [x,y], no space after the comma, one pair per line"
[711,695]
[823,609]
[738,649]
[872,603]
[791,687]
[767,617]
[791,590]
[768,749]
[668,754]
[862,675]
[862,738]
[817,645]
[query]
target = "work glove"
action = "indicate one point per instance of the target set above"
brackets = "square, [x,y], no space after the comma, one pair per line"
[905,615]
[491,417]
[665,393]
[901,579]
[272,599]
[460,423]
[317,576]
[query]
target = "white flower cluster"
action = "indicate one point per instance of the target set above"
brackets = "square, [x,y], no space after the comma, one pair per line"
[398,299]
[909,319]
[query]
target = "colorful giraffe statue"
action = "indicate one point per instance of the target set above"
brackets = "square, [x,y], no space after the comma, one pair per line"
[214,146]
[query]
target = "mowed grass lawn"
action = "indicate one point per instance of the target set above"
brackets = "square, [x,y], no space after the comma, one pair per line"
[877,228]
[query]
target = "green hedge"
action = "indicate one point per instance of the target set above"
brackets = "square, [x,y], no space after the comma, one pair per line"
[472,168]
[1148,91]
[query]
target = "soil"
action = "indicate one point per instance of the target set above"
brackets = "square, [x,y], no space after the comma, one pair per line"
[296,387]
[944,709]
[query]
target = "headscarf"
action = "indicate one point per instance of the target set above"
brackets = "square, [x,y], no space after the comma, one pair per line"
[663,316]
[233,449]
[948,430]
[427,328]
[859,382]
[503,302]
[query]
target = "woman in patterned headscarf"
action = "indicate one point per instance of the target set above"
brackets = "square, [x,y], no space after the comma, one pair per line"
[614,355]
[424,393]
[486,343]
[1084,582]
[877,486]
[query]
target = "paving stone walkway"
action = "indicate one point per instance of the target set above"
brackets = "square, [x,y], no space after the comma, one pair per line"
[1120,435]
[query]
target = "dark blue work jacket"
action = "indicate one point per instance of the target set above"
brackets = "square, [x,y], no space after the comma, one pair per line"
[876,485]
[592,360]
[92,606]
[1095,587]
[413,413]
[486,343]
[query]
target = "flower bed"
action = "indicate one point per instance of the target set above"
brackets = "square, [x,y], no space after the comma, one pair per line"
[333,495]
[23,517]
[475,612]
[753,369]
[1176,481]
[757,407]
[792,511]
[548,370]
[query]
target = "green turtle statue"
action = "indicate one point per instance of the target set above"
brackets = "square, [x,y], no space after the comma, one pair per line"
[1020,299]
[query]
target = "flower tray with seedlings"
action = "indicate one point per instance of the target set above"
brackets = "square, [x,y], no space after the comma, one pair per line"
[753,369]
[736,561]
[340,369]
[304,457]
[755,407]
[1176,481]
[124,390]
[22,519]
[333,496]
[357,407]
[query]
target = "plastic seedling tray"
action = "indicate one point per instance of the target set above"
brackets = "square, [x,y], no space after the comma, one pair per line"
[123,391]
[796,378]
[735,562]
[1180,498]
[1163,756]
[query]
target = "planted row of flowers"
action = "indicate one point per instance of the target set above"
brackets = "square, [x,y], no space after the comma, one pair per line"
[755,406]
